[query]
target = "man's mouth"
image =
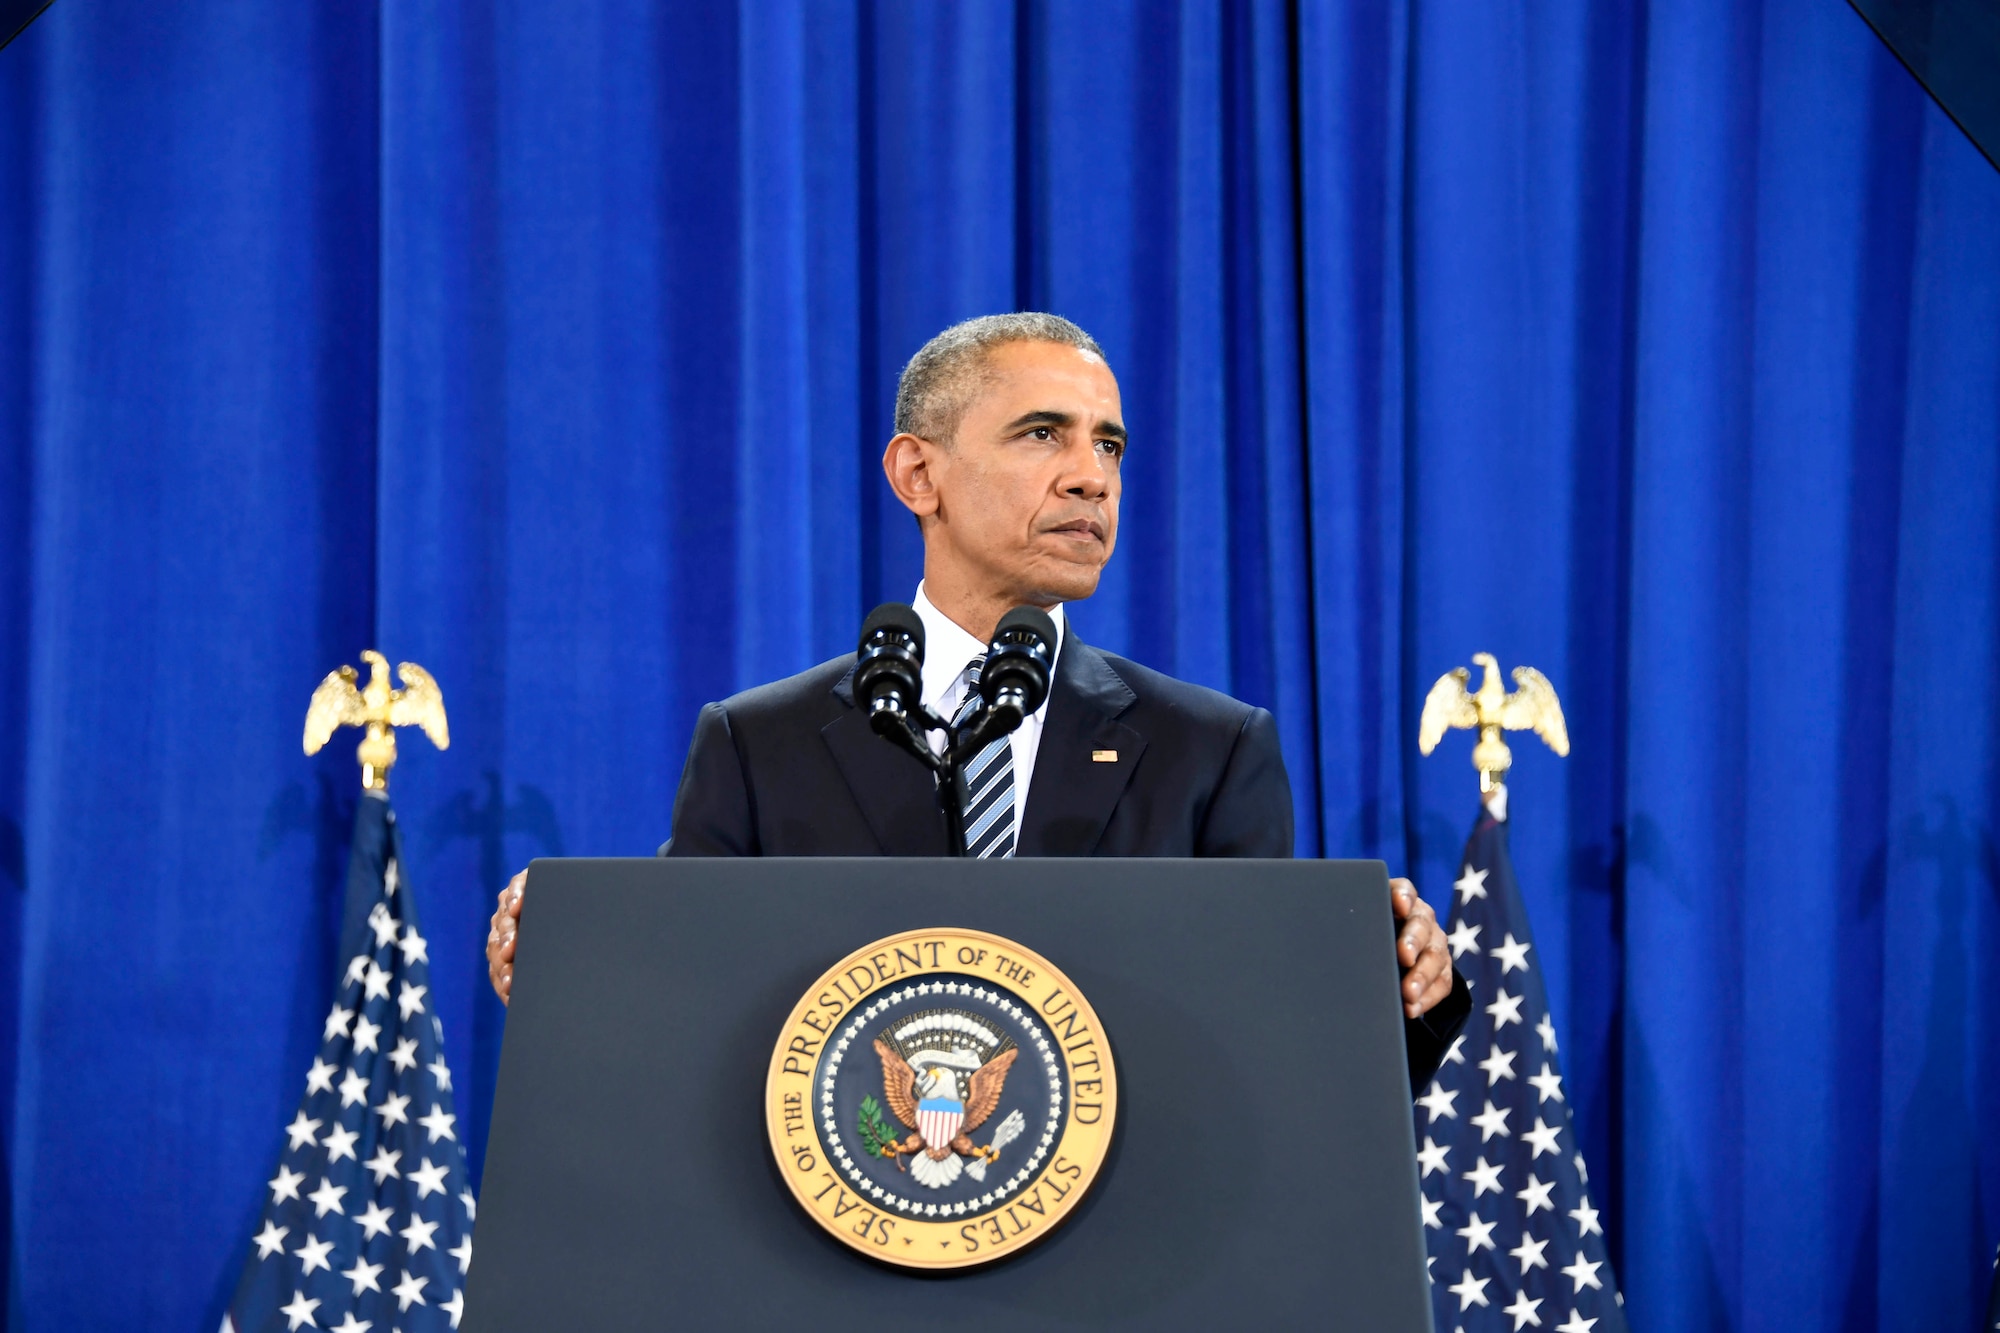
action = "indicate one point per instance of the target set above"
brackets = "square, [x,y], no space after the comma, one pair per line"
[1080,530]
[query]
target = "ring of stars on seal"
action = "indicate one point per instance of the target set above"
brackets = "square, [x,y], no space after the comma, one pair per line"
[941,1098]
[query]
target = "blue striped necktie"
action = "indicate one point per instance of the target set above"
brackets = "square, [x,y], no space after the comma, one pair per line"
[989,782]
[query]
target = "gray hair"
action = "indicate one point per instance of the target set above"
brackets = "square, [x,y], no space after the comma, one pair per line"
[937,384]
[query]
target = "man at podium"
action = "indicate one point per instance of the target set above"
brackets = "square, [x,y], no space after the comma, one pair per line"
[1008,448]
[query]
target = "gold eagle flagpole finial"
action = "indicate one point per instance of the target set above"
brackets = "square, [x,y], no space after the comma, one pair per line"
[1532,706]
[338,702]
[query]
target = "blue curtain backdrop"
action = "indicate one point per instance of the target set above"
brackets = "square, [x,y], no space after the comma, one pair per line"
[553,347]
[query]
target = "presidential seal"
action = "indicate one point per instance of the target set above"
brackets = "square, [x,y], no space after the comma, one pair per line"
[941,1098]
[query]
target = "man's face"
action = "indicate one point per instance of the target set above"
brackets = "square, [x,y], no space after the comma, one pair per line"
[1027,492]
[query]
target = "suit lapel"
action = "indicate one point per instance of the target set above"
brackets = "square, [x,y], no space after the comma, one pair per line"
[897,795]
[1073,794]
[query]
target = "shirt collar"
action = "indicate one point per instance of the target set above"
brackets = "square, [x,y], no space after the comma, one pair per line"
[948,647]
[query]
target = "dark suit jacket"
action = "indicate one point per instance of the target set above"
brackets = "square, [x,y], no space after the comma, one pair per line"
[793,769]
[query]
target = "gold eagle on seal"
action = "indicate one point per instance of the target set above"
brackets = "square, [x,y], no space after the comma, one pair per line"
[941,1100]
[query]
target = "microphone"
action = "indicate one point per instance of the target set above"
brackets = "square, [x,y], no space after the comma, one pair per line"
[889,674]
[889,687]
[1015,680]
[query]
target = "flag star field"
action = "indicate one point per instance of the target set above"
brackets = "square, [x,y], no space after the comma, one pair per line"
[1514,1242]
[367,1221]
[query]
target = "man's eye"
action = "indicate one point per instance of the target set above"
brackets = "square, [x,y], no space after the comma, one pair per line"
[1042,433]
[1111,448]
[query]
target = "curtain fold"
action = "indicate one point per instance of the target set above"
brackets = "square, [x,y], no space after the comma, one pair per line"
[197,249]
[1657,347]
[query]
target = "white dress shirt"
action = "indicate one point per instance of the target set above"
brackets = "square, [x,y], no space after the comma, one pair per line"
[947,650]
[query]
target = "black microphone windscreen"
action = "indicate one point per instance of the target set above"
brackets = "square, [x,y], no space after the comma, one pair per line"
[895,615]
[1033,619]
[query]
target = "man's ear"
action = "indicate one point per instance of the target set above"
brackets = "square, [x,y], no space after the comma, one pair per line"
[907,462]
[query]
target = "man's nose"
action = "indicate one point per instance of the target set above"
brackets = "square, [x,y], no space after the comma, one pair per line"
[1085,476]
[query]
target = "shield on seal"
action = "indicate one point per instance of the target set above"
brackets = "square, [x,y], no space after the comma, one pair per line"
[938,1119]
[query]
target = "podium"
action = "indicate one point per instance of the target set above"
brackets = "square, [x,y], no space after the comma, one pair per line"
[1262,1171]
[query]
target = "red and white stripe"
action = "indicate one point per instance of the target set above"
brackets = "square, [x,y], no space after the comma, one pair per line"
[940,1127]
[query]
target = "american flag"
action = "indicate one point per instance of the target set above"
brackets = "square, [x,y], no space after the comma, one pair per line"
[1514,1240]
[367,1224]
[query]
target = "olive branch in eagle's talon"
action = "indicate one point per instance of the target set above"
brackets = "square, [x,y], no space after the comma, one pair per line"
[876,1135]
